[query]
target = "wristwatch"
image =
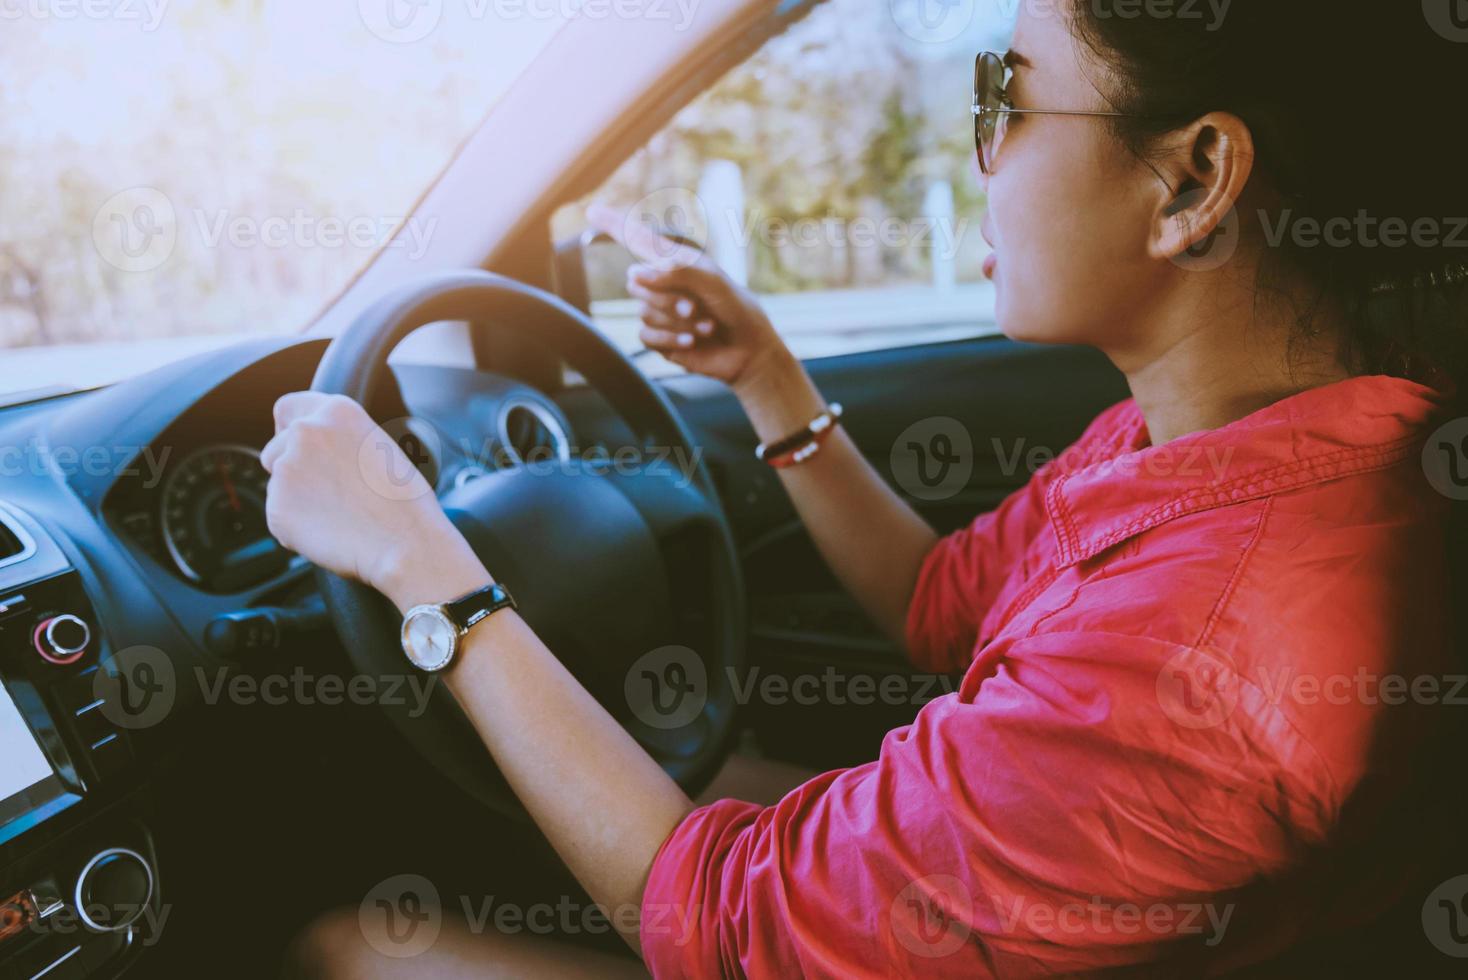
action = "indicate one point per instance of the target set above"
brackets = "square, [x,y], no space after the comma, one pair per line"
[432,633]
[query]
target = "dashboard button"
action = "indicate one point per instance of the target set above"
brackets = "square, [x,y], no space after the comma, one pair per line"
[16,915]
[110,758]
[79,691]
[12,605]
[113,890]
[56,957]
[92,725]
[62,640]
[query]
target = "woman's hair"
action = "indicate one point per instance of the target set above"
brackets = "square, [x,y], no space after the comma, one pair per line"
[1357,120]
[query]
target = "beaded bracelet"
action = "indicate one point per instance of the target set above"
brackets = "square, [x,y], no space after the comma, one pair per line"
[804,444]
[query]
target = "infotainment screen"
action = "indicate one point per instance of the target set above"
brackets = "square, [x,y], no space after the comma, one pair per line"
[30,789]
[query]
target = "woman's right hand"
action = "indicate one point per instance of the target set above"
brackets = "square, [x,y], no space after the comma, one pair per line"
[692,312]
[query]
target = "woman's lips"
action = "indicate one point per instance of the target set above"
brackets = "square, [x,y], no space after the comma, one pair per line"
[991,262]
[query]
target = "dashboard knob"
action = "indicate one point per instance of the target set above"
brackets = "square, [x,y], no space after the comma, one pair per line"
[114,890]
[62,640]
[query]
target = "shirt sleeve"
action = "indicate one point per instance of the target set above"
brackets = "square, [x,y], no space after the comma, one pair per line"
[1059,822]
[963,575]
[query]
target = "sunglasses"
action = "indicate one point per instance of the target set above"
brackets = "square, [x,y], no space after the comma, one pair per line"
[992,107]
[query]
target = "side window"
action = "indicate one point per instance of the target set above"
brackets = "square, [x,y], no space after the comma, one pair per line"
[833,173]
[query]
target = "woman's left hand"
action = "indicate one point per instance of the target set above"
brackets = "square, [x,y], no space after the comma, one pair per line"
[344,495]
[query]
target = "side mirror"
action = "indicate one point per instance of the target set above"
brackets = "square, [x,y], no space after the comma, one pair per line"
[593,266]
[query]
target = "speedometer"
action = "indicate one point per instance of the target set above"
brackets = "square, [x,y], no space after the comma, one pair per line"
[213,516]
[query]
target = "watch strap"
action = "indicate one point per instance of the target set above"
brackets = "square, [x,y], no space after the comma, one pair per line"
[469,609]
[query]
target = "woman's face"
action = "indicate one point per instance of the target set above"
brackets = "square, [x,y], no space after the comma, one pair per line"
[1070,208]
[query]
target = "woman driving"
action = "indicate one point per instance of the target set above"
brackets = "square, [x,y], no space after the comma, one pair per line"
[1173,750]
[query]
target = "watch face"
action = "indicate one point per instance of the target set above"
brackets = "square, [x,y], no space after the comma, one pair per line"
[429,639]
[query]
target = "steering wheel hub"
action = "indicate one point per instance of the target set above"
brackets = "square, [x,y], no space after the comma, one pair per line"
[593,580]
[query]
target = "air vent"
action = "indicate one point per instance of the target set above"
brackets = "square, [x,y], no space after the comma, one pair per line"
[15,544]
[531,433]
[10,545]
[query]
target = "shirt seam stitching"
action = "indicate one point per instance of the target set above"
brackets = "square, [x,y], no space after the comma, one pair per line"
[1210,631]
[1230,588]
[1074,594]
[1372,460]
[1068,539]
[1027,598]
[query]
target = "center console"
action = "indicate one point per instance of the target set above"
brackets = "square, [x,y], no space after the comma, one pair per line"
[80,893]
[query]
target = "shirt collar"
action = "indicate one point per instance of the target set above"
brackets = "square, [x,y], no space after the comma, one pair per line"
[1117,485]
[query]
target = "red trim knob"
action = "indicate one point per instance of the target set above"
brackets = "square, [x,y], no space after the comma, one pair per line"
[62,640]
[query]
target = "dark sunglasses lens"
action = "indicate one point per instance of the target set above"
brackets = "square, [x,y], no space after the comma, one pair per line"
[988,97]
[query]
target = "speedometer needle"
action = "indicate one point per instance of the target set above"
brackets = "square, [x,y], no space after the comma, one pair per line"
[234,498]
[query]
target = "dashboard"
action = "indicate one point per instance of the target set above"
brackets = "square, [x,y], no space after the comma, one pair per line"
[133,543]
[192,501]
[205,520]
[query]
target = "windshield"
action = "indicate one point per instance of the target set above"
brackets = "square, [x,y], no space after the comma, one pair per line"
[176,174]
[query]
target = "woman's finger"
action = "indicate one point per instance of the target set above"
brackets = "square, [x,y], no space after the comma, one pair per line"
[295,405]
[705,285]
[659,320]
[273,450]
[666,340]
[666,303]
[652,278]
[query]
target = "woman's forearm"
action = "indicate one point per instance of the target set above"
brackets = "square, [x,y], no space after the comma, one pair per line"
[602,802]
[869,536]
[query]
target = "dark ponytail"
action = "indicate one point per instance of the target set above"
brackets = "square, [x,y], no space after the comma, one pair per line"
[1356,112]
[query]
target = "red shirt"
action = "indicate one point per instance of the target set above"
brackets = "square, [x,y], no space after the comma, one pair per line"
[1178,668]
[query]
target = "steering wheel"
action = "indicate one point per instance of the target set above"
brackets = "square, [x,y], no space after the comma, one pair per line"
[629,573]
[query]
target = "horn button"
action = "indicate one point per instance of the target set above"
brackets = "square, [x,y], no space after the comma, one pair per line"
[584,566]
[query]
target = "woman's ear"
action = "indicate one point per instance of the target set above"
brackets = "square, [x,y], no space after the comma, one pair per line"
[1206,170]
